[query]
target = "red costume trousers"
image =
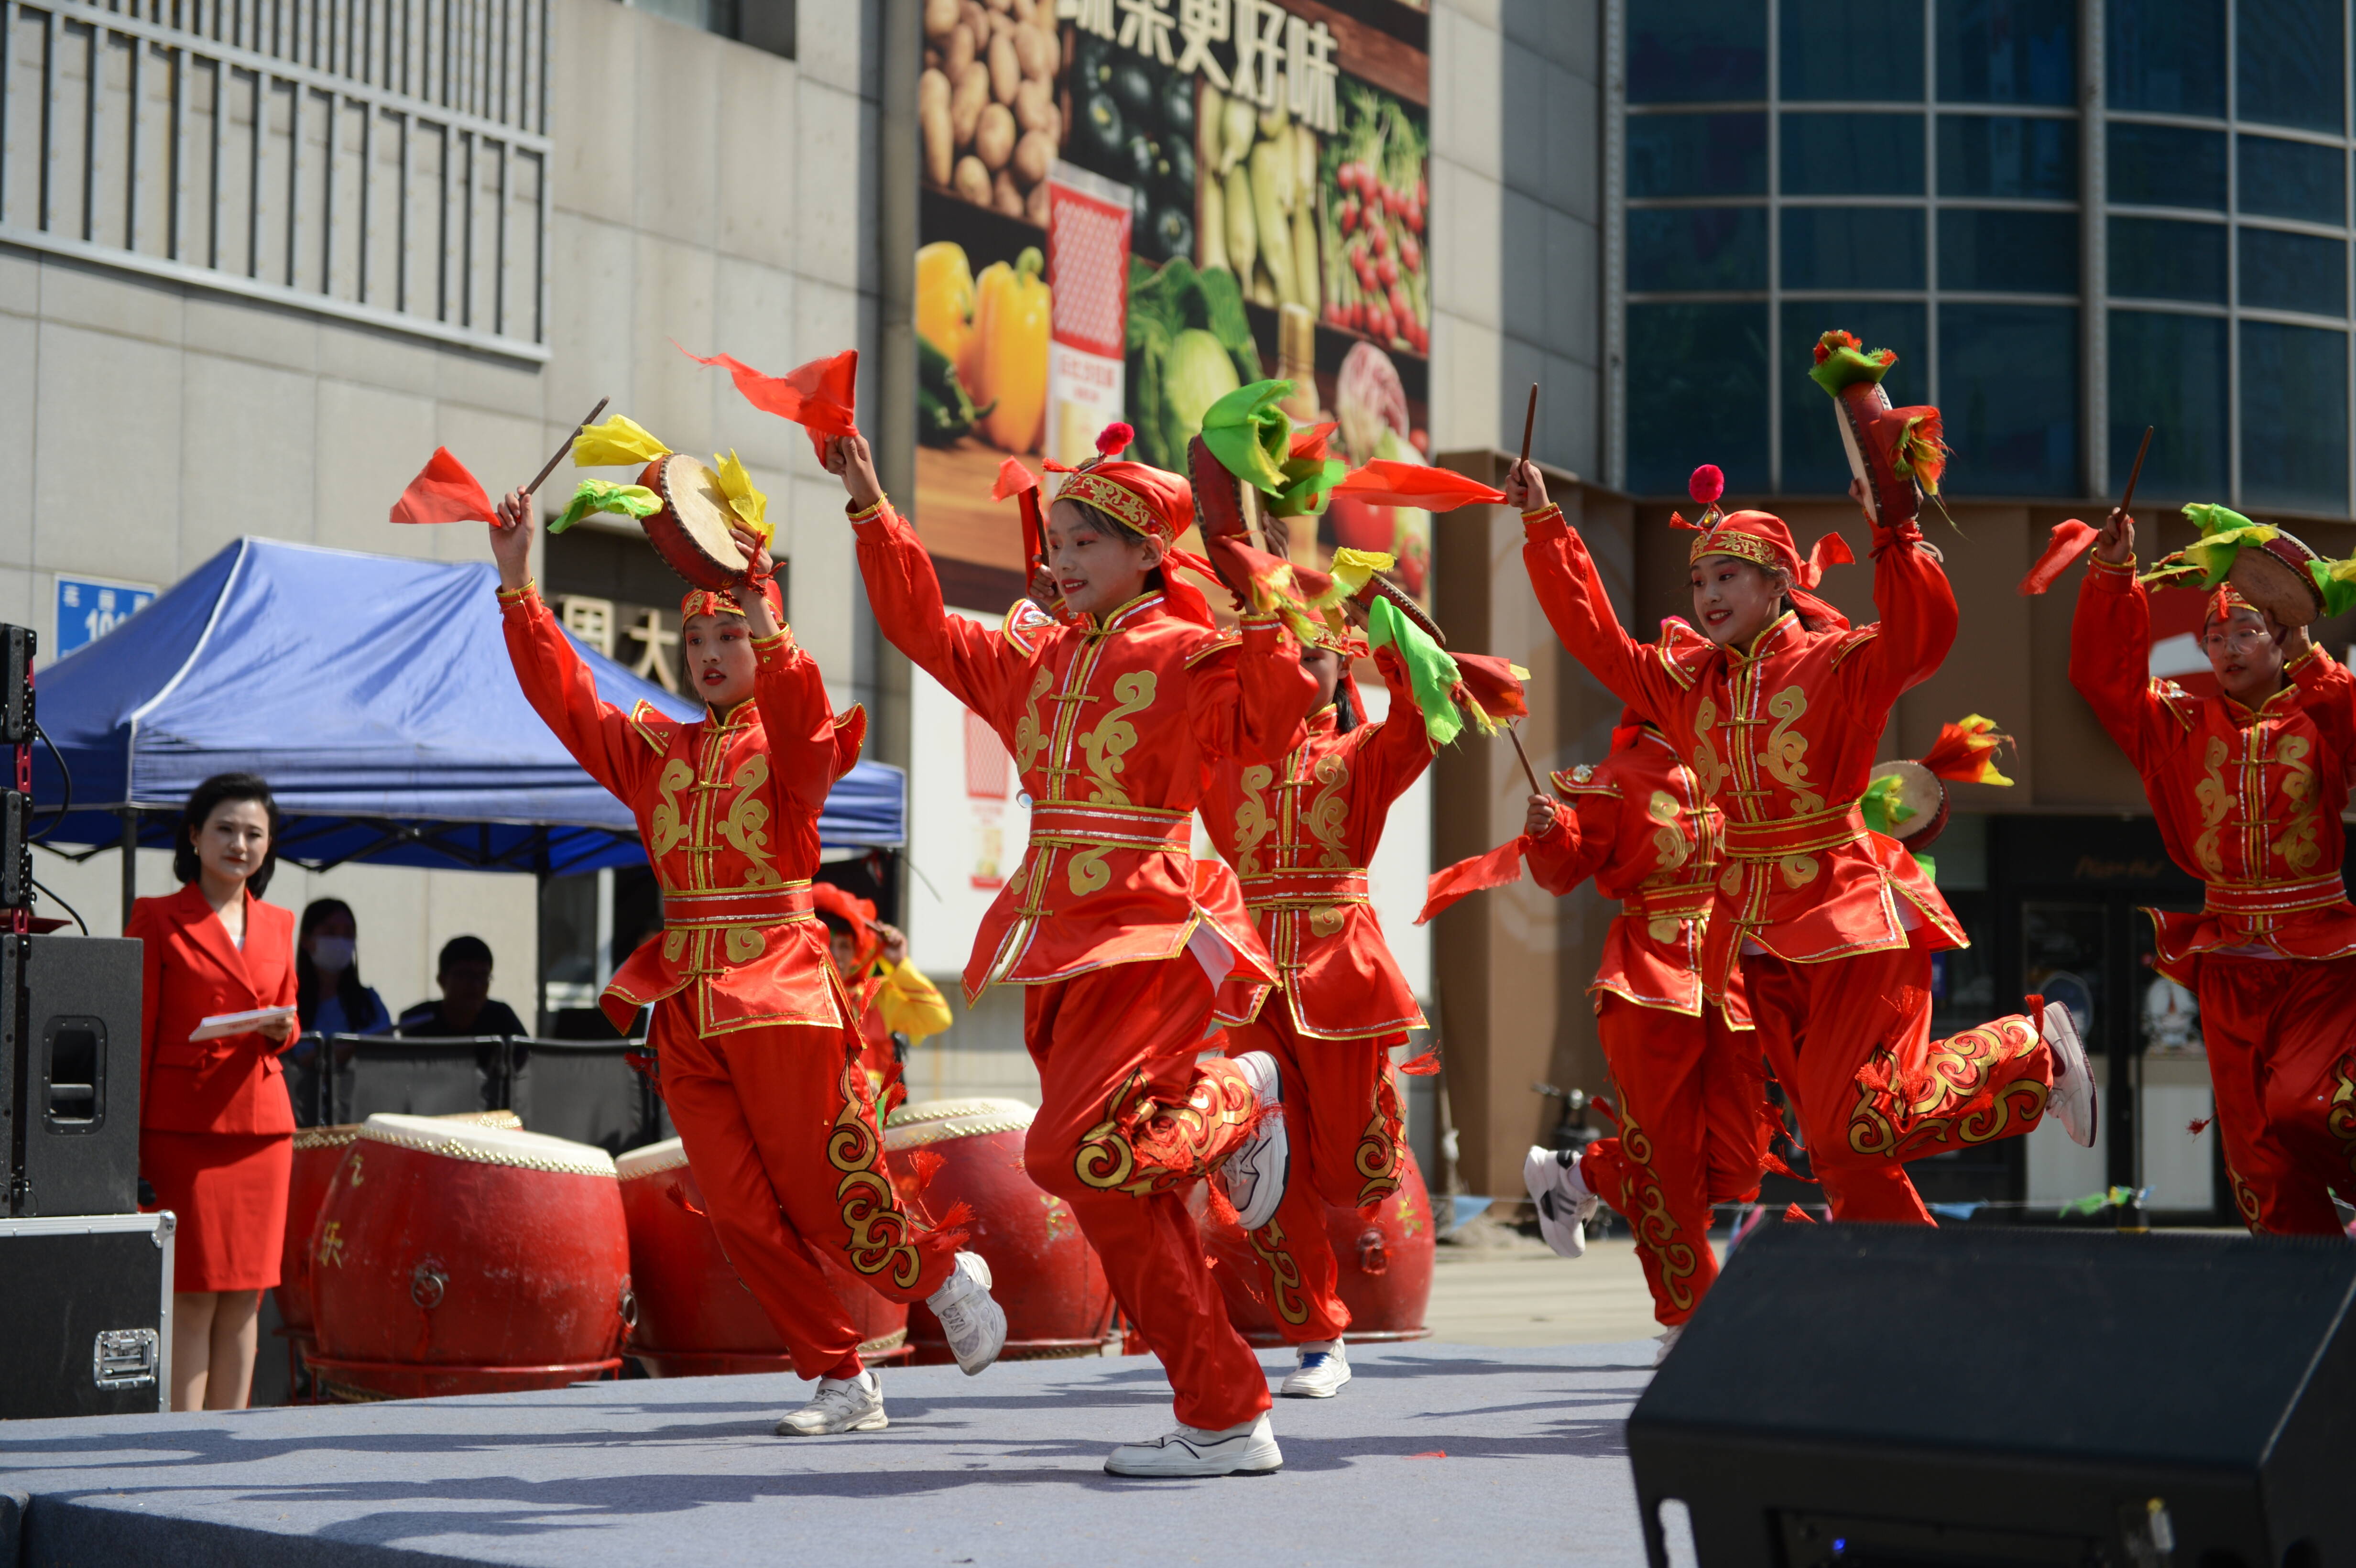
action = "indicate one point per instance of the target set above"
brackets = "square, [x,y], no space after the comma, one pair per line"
[2281,1038]
[1850,1041]
[781,1136]
[1341,1117]
[1125,1118]
[1691,1136]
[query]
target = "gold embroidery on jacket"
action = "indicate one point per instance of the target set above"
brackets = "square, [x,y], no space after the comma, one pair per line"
[747,825]
[666,827]
[1029,738]
[1785,751]
[2297,845]
[1330,813]
[2216,799]
[1087,874]
[745,943]
[1252,821]
[1669,846]
[1115,735]
[1708,772]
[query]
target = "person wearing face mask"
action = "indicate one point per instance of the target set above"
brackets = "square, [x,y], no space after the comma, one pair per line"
[1777,703]
[330,998]
[2248,787]
[216,1133]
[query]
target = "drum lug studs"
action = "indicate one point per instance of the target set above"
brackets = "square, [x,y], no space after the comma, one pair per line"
[629,1305]
[1373,1258]
[427,1282]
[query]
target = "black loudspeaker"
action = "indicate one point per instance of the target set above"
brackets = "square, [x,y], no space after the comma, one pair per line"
[72,1102]
[1893,1397]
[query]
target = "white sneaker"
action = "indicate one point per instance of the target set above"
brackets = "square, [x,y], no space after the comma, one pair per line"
[1665,1342]
[2073,1098]
[970,1316]
[1246,1450]
[1255,1174]
[841,1404]
[1324,1368]
[1565,1204]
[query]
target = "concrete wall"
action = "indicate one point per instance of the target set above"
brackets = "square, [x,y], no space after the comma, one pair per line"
[702,191]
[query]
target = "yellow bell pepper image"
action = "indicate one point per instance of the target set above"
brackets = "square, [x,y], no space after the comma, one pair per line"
[1009,351]
[944,298]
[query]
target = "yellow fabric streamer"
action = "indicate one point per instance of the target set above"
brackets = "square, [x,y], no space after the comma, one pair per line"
[618,441]
[752,507]
[1353,570]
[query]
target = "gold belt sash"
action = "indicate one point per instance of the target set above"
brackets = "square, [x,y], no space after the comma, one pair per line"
[718,909]
[1685,900]
[1826,830]
[2261,899]
[1064,824]
[1305,888]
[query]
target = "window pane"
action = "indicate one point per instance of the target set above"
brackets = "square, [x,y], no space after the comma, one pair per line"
[2287,58]
[1852,154]
[1814,463]
[1852,248]
[2165,56]
[1694,249]
[2153,259]
[1852,49]
[2169,372]
[1696,155]
[1692,51]
[2008,390]
[2294,271]
[2008,51]
[2293,179]
[2005,154]
[1697,394]
[2167,165]
[2009,253]
[2294,417]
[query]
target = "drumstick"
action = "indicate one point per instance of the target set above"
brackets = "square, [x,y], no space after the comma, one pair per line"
[1528,771]
[550,467]
[2136,472]
[1529,421]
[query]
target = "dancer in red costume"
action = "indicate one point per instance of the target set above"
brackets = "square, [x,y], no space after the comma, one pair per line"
[1777,703]
[889,996]
[2248,787]
[1299,834]
[1691,1088]
[1114,716]
[757,1046]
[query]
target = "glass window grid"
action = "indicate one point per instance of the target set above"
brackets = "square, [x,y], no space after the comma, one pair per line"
[1923,358]
[2094,308]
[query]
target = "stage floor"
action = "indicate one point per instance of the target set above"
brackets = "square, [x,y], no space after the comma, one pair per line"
[1434,1453]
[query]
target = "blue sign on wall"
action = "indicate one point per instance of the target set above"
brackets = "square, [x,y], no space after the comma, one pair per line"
[88,609]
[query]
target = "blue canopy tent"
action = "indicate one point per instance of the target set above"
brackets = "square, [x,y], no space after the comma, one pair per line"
[375,694]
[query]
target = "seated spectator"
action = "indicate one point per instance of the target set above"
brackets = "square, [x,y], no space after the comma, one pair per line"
[466,1007]
[328,999]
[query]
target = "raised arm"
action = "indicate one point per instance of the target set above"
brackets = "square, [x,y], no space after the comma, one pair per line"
[1563,576]
[1246,701]
[1575,841]
[1918,617]
[2110,654]
[1396,750]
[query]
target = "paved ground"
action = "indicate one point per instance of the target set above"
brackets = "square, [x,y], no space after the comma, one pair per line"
[1432,1447]
[1525,1295]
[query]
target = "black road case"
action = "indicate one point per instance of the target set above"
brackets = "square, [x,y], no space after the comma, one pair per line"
[87,1314]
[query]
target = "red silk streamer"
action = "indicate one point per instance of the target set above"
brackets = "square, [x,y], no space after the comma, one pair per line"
[2070,541]
[1385,482]
[1499,867]
[1830,551]
[819,396]
[443,492]
[1795,1215]
[1015,479]
[1492,683]
[1312,442]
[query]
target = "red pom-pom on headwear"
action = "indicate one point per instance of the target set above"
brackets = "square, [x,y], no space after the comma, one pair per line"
[1115,439]
[1708,484]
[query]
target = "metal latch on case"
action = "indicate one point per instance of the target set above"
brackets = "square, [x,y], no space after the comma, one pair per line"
[125,1358]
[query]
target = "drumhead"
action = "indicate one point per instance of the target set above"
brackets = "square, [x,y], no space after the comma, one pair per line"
[692,490]
[2272,576]
[936,1121]
[487,1146]
[1920,792]
[652,1160]
[344,1133]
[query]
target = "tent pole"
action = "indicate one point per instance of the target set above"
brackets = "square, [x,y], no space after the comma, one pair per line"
[130,863]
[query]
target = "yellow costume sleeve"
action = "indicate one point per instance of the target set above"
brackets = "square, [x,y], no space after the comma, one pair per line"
[910,1004]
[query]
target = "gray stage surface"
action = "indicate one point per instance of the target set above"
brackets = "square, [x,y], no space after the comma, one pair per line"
[1003,1469]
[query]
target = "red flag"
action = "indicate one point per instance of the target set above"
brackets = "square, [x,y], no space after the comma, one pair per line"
[1013,480]
[443,492]
[819,396]
[2069,542]
[1389,483]
[1492,683]
[1499,867]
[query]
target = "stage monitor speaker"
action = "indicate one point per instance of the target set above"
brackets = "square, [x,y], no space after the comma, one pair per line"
[73,1095]
[1883,1396]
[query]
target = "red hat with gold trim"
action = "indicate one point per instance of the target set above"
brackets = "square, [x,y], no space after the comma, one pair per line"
[704,601]
[1153,502]
[1763,540]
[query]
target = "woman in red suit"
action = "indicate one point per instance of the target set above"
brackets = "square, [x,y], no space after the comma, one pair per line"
[216,1129]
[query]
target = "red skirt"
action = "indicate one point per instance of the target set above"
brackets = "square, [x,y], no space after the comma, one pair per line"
[228,1191]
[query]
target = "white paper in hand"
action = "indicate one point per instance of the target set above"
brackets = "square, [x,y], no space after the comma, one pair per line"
[221,1024]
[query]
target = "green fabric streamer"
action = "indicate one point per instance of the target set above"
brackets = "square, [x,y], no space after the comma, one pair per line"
[1880,808]
[605,496]
[1310,486]
[1431,673]
[1249,434]
[2336,581]
[2223,533]
[1844,367]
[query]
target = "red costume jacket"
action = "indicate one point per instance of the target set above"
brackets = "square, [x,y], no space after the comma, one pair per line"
[2248,799]
[1115,724]
[728,807]
[192,972]
[1781,735]
[1299,834]
[1638,824]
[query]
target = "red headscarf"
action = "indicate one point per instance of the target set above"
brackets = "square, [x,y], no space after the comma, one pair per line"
[1762,539]
[1152,501]
[704,601]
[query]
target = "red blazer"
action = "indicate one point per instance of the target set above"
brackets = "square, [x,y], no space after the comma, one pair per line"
[193,971]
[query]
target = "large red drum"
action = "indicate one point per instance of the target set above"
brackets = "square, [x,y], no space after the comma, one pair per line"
[458,1259]
[1384,1262]
[1046,1276]
[696,1318]
[317,1152]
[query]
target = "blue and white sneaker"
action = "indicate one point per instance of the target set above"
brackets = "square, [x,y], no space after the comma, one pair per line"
[1564,1203]
[1324,1368]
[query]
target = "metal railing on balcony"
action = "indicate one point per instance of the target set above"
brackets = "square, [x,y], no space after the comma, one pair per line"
[379,161]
